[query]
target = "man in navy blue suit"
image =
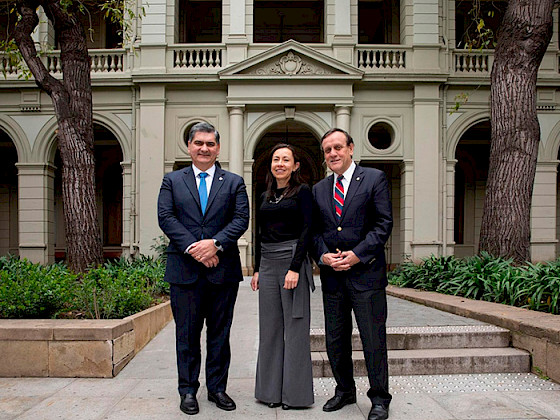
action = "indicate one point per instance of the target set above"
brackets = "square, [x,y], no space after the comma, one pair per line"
[203,210]
[353,220]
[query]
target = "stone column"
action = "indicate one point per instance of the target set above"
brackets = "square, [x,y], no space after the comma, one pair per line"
[127,209]
[236,140]
[544,212]
[150,161]
[427,214]
[36,212]
[343,117]
[450,208]
[407,210]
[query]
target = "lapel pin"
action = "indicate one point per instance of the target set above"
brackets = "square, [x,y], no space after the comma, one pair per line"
[357,178]
[221,178]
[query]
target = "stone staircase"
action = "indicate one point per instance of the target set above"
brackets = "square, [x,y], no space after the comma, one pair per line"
[434,351]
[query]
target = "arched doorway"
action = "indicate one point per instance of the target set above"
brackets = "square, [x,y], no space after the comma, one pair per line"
[471,174]
[109,195]
[307,146]
[9,241]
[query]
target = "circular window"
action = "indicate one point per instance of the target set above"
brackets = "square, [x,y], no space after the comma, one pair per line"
[187,131]
[381,135]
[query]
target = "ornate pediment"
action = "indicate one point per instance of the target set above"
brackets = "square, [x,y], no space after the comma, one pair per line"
[291,64]
[288,60]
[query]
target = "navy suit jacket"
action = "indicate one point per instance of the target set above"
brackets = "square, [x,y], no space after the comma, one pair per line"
[365,226]
[181,219]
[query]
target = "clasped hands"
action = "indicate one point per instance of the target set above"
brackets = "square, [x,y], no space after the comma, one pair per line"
[341,260]
[204,251]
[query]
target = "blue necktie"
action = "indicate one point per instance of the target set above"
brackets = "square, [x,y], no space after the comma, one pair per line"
[202,191]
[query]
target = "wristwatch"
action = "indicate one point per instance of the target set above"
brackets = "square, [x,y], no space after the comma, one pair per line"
[217,244]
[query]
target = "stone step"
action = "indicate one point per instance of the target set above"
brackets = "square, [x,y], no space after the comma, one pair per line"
[437,361]
[446,337]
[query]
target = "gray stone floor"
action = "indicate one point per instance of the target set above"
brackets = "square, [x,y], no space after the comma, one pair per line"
[146,388]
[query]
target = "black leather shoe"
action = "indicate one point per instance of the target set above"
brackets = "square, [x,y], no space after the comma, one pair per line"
[286,407]
[339,401]
[189,404]
[274,405]
[222,400]
[378,412]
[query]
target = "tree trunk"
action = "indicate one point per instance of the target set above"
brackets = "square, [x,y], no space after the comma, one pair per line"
[523,37]
[72,100]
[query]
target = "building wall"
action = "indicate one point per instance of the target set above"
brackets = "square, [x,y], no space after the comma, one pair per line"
[413,87]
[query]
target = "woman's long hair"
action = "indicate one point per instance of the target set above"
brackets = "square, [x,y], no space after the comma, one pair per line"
[295,178]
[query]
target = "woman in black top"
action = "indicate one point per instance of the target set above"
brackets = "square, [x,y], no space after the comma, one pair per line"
[283,277]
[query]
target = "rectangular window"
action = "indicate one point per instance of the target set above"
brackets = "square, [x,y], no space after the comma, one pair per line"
[279,21]
[200,22]
[379,22]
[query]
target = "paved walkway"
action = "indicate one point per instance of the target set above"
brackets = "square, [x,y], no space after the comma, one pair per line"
[146,388]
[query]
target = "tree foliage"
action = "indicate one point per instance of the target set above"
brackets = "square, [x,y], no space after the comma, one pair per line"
[71,96]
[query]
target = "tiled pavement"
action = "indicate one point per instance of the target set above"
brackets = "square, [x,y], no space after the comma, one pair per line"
[146,388]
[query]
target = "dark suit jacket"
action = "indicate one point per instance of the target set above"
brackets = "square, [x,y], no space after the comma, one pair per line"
[364,228]
[180,217]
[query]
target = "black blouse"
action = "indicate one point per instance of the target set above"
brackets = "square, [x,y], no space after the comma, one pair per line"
[288,219]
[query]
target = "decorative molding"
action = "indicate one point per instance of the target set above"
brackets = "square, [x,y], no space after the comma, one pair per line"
[289,64]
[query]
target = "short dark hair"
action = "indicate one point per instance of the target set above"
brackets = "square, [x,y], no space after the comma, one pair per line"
[203,127]
[349,139]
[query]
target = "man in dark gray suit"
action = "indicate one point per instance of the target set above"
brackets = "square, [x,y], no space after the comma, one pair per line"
[353,220]
[203,210]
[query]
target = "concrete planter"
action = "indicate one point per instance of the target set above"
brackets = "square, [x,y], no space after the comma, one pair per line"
[76,348]
[533,331]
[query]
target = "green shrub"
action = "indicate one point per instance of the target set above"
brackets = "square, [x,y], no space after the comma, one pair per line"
[114,290]
[483,277]
[121,288]
[34,291]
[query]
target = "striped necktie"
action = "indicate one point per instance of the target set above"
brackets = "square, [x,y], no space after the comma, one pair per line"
[203,191]
[338,197]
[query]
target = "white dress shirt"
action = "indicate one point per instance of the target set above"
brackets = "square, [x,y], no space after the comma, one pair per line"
[209,178]
[347,178]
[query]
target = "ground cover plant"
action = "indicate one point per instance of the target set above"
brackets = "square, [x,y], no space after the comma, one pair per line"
[483,277]
[113,290]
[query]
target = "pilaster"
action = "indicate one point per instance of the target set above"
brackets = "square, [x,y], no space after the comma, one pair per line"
[406,209]
[150,161]
[544,212]
[36,212]
[427,213]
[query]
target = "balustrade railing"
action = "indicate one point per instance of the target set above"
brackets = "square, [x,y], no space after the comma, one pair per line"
[197,57]
[381,58]
[6,66]
[471,62]
[102,62]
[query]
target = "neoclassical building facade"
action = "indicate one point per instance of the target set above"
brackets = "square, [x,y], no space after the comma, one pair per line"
[388,71]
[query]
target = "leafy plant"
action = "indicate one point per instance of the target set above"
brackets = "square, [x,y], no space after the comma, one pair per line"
[33,291]
[484,277]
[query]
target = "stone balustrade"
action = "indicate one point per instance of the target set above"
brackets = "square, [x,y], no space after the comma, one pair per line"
[380,58]
[197,57]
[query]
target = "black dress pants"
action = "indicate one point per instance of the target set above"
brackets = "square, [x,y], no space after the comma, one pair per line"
[370,311]
[191,305]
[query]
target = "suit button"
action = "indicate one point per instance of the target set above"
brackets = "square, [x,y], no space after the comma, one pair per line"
[339,228]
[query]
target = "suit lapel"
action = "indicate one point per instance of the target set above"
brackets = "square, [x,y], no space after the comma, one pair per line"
[355,183]
[328,194]
[188,177]
[217,183]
